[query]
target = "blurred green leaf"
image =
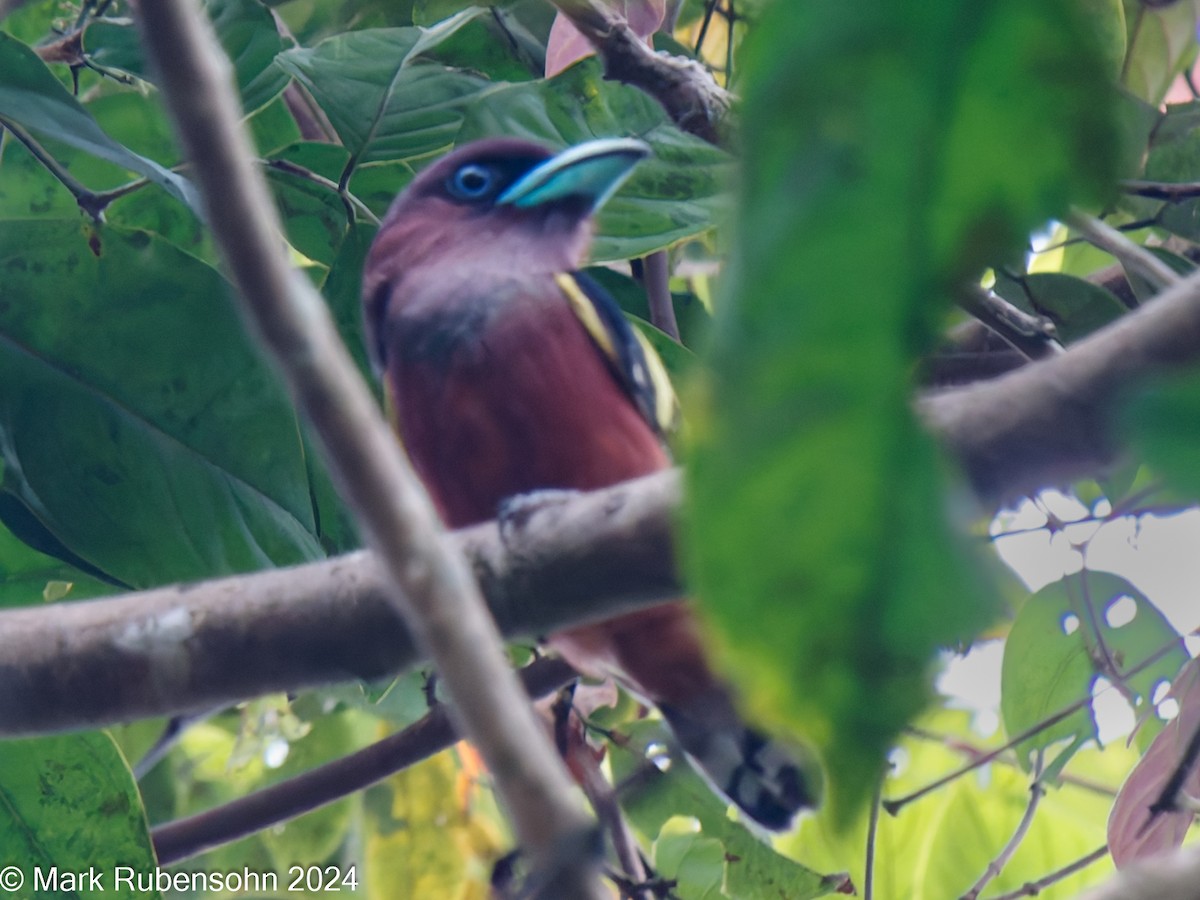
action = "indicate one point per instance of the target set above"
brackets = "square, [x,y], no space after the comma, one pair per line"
[680,191]
[70,802]
[138,424]
[32,98]
[1163,422]
[921,142]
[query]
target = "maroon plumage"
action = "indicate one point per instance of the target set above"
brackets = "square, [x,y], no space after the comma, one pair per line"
[499,388]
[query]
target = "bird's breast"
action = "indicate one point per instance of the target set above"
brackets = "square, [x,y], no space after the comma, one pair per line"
[504,397]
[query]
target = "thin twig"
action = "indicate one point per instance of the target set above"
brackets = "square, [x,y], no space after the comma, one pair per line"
[971,751]
[872,832]
[89,201]
[1033,888]
[291,168]
[585,765]
[656,269]
[894,806]
[710,9]
[185,838]
[1033,336]
[1171,191]
[996,866]
[1136,258]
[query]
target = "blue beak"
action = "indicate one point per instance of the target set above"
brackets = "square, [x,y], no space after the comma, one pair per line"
[593,171]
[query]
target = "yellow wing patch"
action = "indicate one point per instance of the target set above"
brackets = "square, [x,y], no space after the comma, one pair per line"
[636,360]
[587,314]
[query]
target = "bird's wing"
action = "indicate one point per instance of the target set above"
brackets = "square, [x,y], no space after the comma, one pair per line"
[636,363]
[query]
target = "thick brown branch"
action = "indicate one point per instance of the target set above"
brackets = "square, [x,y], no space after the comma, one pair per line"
[1051,421]
[686,90]
[195,647]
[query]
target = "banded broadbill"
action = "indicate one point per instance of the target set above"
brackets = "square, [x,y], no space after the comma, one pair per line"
[509,372]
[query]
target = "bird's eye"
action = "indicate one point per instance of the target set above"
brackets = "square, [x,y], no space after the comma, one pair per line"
[471,182]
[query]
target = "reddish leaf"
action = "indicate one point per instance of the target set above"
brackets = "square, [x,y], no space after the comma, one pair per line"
[1130,838]
[567,46]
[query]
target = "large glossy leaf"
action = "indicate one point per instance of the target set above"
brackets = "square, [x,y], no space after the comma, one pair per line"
[136,421]
[245,28]
[383,102]
[69,804]
[29,577]
[921,141]
[32,98]
[1067,634]
[680,191]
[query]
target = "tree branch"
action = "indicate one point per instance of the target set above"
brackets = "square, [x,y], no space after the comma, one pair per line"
[1050,421]
[185,838]
[429,584]
[193,647]
[686,90]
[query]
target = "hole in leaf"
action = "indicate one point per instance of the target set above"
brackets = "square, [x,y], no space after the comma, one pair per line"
[1115,718]
[1168,709]
[659,756]
[1121,611]
[898,760]
[986,722]
[275,753]
[1070,623]
[1159,693]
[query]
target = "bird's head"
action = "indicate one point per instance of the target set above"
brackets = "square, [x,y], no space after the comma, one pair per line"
[500,204]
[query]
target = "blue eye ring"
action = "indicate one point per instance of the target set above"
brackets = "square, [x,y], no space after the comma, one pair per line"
[471,182]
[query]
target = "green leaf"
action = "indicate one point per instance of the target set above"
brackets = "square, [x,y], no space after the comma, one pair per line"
[32,98]
[698,863]
[138,423]
[921,142]
[1162,41]
[678,192]
[382,102]
[249,36]
[753,871]
[1163,422]
[1075,306]
[1062,639]
[70,802]
[29,577]
[245,28]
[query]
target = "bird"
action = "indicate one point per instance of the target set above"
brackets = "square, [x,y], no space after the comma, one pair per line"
[509,372]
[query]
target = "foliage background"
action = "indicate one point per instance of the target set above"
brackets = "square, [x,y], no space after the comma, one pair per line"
[887,152]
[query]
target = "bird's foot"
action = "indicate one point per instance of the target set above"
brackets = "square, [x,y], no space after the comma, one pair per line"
[514,513]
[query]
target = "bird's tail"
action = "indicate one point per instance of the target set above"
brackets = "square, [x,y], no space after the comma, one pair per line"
[762,776]
[659,654]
